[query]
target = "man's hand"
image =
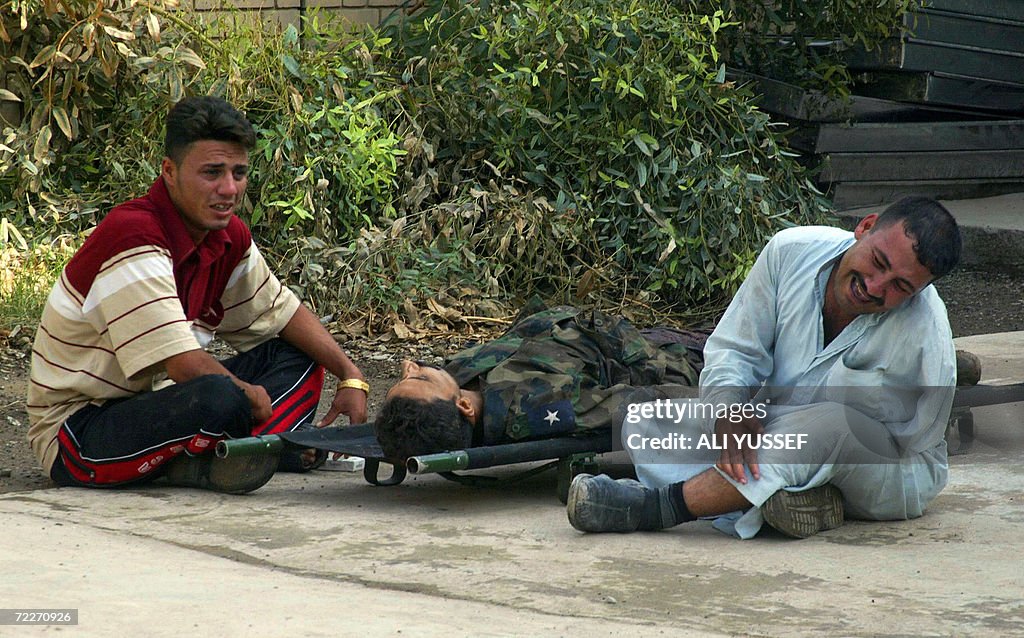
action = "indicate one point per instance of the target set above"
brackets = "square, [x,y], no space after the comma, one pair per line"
[348,401]
[737,452]
[262,408]
[305,332]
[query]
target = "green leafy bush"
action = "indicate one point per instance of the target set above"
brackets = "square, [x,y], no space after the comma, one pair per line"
[658,173]
[475,151]
[326,157]
[65,63]
[326,161]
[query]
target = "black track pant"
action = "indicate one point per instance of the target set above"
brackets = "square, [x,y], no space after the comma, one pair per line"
[127,440]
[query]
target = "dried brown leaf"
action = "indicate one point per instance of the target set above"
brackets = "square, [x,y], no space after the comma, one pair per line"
[63,122]
[153,26]
[42,145]
[402,331]
[444,312]
[412,314]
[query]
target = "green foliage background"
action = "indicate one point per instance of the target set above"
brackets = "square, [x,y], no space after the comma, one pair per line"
[469,156]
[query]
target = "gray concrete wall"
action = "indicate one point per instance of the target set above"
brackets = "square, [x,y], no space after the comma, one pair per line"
[290,11]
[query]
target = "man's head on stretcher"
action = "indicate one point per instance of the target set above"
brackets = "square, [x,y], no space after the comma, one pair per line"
[426,412]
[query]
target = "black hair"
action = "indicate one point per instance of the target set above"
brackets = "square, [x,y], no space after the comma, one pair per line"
[937,241]
[205,118]
[410,427]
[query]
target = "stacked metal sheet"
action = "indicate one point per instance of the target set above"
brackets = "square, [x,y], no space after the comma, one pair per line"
[966,53]
[939,112]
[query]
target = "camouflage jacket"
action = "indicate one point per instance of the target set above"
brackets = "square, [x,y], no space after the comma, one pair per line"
[563,370]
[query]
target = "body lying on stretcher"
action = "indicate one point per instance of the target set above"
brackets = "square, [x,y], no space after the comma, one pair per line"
[549,388]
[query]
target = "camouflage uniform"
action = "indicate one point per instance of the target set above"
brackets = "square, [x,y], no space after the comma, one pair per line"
[562,370]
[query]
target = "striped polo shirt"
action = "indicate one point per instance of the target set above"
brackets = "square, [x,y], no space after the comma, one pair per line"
[138,292]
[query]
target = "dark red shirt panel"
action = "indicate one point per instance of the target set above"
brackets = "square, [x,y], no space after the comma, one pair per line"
[201,272]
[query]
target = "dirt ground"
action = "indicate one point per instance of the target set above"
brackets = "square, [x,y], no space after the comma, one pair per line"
[978,303]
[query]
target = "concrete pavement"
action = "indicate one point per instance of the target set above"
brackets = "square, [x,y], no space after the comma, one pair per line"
[325,554]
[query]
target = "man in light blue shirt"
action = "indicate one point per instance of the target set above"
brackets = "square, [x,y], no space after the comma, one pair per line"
[827,387]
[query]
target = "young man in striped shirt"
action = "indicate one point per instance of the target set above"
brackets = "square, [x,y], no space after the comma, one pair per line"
[121,389]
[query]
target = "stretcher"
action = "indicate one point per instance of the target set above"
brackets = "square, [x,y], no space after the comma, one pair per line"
[570,455]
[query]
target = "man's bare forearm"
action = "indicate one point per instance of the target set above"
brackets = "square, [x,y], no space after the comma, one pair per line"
[194,363]
[305,332]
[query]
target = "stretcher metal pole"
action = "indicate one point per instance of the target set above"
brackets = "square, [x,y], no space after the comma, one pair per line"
[441,462]
[510,453]
[973,396]
[250,446]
